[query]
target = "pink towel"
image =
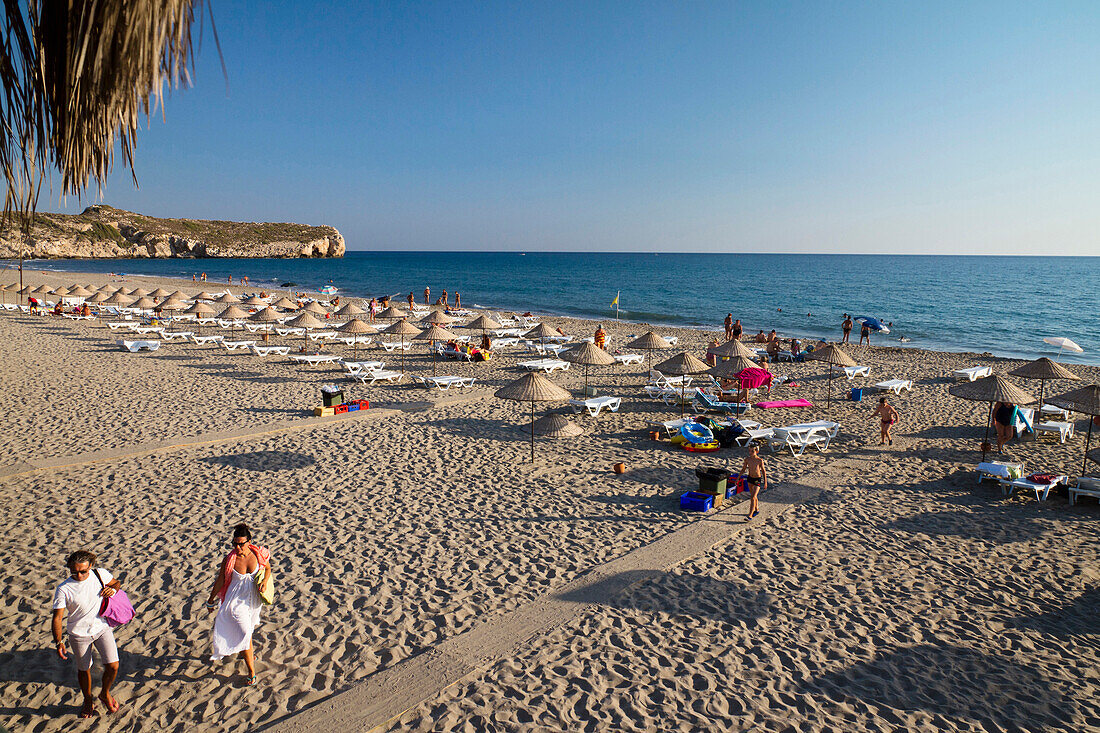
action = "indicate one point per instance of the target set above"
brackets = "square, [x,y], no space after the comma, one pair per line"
[752,378]
[784,403]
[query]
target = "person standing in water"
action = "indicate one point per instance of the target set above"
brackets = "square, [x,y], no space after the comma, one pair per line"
[80,596]
[756,475]
[236,598]
[889,417]
[847,327]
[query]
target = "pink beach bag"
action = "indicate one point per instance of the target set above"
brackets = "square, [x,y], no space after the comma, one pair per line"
[116,610]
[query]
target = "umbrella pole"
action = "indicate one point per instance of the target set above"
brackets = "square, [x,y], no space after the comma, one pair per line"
[1088,439]
[532,431]
[402,354]
[988,420]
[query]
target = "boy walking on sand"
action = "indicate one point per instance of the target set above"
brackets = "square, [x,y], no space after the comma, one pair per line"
[889,418]
[756,475]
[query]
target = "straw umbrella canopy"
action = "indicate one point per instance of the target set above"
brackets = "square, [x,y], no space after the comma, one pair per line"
[139,292]
[992,390]
[680,365]
[541,332]
[355,327]
[227,297]
[233,313]
[392,312]
[1086,401]
[44,290]
[557,426]
[108,288]
[254,301]
[200,309]
[266,316]
[178,295]
[171,304]
[307,321]
[833,356]
[78,291]
[431,334]
[401,329]
[314,307]
[1043,369]
[160,293]
[732,367]
[588,355]
[96,298]
[118,299]
[532,388]
[285,303]
[484,322]
[202,296]
[349,309]
[649,342]
[438,317]
[144,303]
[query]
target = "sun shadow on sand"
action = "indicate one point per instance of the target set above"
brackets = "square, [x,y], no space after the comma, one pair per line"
[954,682]
[677,594]
[996,524]
[1076,617]
[264,460]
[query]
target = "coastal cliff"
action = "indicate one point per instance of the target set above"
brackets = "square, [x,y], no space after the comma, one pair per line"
[106,232]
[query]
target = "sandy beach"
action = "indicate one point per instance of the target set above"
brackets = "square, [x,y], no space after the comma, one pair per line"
[902,596]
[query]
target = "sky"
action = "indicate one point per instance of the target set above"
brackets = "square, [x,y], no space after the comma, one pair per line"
[863,127]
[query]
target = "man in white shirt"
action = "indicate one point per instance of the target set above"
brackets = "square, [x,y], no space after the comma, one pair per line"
[80,595]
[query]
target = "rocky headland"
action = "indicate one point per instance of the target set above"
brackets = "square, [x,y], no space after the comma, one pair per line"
[105,232]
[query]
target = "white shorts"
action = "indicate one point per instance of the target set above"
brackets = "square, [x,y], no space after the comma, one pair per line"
[104,644]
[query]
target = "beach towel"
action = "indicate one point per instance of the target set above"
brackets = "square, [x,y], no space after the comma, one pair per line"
[753,378]
[784,403]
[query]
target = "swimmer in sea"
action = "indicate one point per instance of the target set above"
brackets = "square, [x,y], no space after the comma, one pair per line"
[889,418]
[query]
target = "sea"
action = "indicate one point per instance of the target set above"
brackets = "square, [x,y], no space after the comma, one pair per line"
[1002,305]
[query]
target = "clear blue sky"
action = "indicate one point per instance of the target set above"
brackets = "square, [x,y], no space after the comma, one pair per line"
[895,127]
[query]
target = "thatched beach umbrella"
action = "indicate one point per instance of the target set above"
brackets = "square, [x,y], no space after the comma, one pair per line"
[170,304]
[314,307]
[649,342]
[254,301]
[833,356]
[178,295]
[1043,369]
[349,309]
[402,329]
[432,334]
[138,293]
[108,288]
[354,327]
[233,313]
[144,303]
[992,390]
[203,296]
[438,317]
[160,293]
[307,321]
[199,309]
[483,322]
[392,312]
[532,388]
[226,298]
[732,367]
[588,355]
[732,349]
[285,304]
[1086,401]
[681,365]
[118,299]
[267,316]
[557,426]
[79,291]
[541,332]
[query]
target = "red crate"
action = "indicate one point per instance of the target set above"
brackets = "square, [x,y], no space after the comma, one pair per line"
[339,409]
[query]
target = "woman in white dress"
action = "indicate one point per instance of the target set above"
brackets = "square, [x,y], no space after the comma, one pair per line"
[239,607]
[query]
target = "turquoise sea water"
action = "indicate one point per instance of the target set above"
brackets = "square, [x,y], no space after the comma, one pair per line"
[1004,305]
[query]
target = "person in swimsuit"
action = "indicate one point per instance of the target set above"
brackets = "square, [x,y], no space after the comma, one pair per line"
[737,330]
[1004,415]
[847,327]
[427,295]
[412,300]
[729,327]
[865,333]
[756,475]
[889,417]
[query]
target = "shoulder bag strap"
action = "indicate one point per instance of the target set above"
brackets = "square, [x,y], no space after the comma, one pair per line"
[105,601]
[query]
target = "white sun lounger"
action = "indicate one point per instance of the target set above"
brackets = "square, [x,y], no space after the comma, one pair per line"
[256,327]
[314,359]
[267,350]
[320,335]
[545,365]
[136,346]
[1063,429]
[234,345]
[391,345]
[593,405]
[1084,487]
[173,335]
[797,438]
[289,331]
[357,367]
[972,373]
[455,354]
[997,470]
[368,376]
[75,317]
[444,383]
[753,431]
[115,325]
[1057,411]
[1009,486]
[628,358]
[204,340]
[353,340]
[895,385]
[144,330]
[852,372]
[500,343]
